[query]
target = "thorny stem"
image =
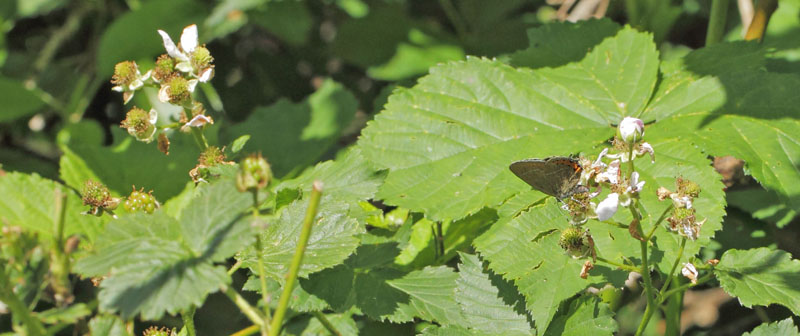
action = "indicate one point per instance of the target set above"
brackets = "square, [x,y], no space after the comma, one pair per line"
[294,267]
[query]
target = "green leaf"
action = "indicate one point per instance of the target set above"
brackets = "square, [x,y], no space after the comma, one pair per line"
[129,162]
[459,234]
[29,201]
[310,325]
[333,238]
[763,205]
[294,135]
[348,178]
[158,264]
[108,325]
[239,143]
[485,306]
[761,277]
[432,294]
[770,147]
[584,315]
[525,250]
[784,327]
[556,44]
[69,314]
[458,129]
[17,100]
[134,36]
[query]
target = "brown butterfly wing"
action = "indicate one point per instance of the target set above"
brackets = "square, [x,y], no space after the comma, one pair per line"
[554,176]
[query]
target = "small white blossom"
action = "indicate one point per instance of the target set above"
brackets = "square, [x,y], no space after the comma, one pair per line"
[690,272]
[608,207]
[198,121]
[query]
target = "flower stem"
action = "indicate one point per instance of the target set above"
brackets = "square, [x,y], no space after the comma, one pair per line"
[252,313]
[648,288]
[716,21]
[294,267]
[261,273]
[325,323]
[623,267]
[672,270]
[188,320]
[199,137]
[60,261]
[686,286]
[658,222]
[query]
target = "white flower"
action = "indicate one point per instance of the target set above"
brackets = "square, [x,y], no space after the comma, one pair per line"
[690,272]
[183,53]
[187,46]
[198,121]
[646,148]
[608,207]
[631,129]
[635,185]
[611,174]
[129,89]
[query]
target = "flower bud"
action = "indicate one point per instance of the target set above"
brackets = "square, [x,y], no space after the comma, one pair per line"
[163,331]
[140,124]
[96,195]
[254,173]
[211,156]
[631,129]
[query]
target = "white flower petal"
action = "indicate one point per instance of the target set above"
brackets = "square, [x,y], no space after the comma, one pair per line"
[206,75]
[172,49]
[189,39]
[184,67]
[163,94]
[608,207]
[135,85]
[192,85]
[690,272]
[118,88]
[646,148]
[153,116]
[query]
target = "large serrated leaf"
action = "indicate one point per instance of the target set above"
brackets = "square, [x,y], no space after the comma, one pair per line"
[431,290]
[29,201]
[333,238]
[483,305]
[559,43]
[784,327]
[525,250]
[448,140]
[156,264]
[585,315]
[761,276]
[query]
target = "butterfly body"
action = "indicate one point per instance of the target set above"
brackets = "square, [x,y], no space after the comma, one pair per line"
[557,176]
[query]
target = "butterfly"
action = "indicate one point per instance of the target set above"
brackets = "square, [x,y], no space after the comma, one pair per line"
[557,176]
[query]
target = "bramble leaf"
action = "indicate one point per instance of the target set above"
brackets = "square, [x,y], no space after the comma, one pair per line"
[784,327]
[761,276]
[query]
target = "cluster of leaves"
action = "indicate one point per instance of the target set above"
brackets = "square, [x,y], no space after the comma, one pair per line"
[464,247]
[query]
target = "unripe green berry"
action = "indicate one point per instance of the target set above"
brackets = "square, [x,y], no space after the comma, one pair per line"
[140,201]
[254,173]
[139,123]
[125,73]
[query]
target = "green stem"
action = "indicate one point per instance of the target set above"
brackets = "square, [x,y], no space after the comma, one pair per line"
[60,261]
[325,323]
[716,23]
[262,279]
[686,286]
[648,288]
[623,267]
[658,222]
[247,331]
[672,312]
[18,308]
[199,137]
[294,267]
[252,313]
[674,267]
[235,267]
[188,320]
